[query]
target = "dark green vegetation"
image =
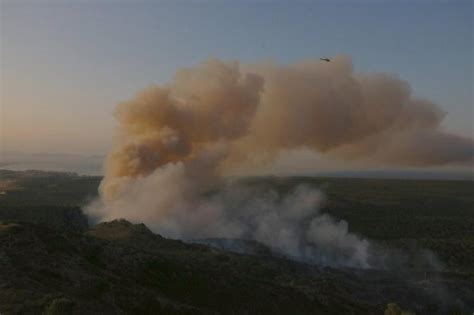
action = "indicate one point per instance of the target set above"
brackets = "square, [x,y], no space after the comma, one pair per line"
[407,214]
[51,263]
[49,198]
[37,188]
[118,267]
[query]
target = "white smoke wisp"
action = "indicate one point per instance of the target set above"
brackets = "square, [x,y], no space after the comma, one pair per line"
[175,142]
[289,223]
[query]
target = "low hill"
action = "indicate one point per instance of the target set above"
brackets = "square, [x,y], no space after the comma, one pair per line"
[117,267]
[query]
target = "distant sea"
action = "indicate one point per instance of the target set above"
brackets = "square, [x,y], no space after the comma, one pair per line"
[92,165]
[80,164]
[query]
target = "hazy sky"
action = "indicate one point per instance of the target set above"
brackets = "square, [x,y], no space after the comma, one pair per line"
[65,64]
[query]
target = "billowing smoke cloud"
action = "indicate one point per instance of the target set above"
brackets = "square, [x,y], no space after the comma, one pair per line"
[176,141]
[330,109]
[211,104]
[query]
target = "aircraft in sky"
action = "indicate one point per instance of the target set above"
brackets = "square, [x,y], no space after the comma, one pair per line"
[325,59]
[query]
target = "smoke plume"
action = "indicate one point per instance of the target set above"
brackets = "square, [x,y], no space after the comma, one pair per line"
[175,142]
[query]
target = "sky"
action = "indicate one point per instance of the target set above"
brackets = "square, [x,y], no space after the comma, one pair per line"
[66,64]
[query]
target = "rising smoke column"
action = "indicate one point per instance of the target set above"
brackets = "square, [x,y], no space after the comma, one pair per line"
[190,121]
[176,141]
